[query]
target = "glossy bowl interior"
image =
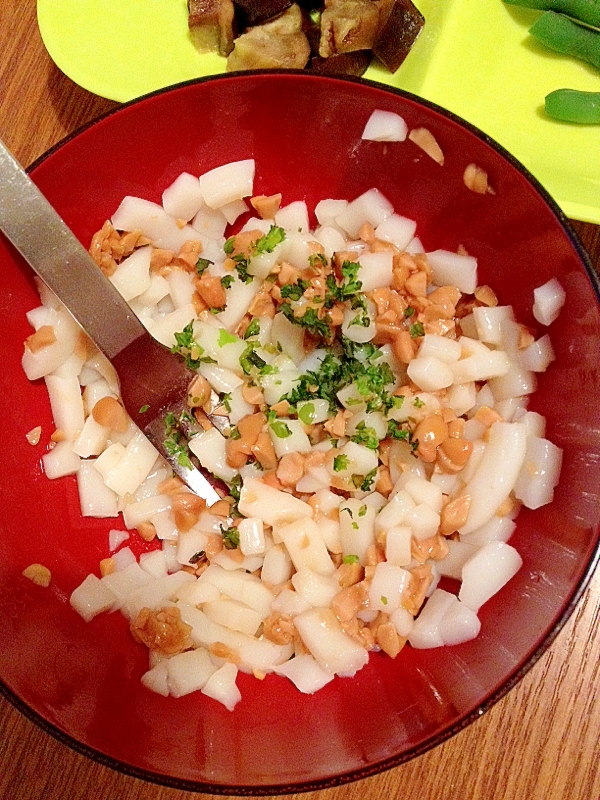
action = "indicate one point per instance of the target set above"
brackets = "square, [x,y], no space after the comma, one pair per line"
[81,681]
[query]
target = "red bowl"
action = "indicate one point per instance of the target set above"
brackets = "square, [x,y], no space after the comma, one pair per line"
[81,681]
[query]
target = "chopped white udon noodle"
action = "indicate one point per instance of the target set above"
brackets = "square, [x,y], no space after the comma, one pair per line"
[350,497]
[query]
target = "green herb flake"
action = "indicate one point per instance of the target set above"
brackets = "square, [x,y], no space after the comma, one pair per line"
[240,261]
[340,463]
[306,413]
[409,311]
[227,281]
[268,242]
[362,510]
[280,429]
[368,480]
[170,422]
[418,403]
[185,338]
[294,291]
[250,360]
[350,559]
[396,431]
[309,320]
[362,320]
[366,436]
[143,409]
[178,450]
[175,442]
[231,538]
[241,267]
[226,338]
[347,288]
[338,370]
[351,285]
[235,487]
[202,265]
[317,260]
[186,347]
[253,328]
[187,417]
[353,401]
[384,600]
[417,329]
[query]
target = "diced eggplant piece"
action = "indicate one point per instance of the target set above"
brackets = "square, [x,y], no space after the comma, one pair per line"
[348,25]
[398,34]
[354,63]
[211,24]
[280,44]
[255,12]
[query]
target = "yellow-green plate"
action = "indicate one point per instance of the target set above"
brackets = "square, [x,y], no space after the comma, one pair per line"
[474,57]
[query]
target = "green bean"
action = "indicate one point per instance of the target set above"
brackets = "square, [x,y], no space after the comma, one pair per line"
[571,105]
[564,36]
[587,11]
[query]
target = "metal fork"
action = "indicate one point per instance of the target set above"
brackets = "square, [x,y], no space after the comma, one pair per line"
[153,381]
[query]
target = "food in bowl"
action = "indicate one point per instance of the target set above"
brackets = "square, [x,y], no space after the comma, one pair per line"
[364,401]
[82,680]
[339,36]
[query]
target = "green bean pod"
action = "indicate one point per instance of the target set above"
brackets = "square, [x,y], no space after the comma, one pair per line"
[571,105]
[564,36]
[587,11]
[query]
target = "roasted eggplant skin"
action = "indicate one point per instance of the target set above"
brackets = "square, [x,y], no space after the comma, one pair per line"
[398,34]
[335,36]
[254,12]
[354,63]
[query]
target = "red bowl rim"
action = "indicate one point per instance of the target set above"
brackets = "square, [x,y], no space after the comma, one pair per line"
[570,604]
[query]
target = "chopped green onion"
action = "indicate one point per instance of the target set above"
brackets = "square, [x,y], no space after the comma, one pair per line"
[226,338]
[306,413]
[340,463]
[280,429]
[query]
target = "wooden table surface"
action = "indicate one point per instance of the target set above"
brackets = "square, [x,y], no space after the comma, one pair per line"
[540,742]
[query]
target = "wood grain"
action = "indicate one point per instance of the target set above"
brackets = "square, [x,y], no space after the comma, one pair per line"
[540,742]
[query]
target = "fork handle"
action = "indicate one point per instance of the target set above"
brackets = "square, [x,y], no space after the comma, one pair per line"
[56,255]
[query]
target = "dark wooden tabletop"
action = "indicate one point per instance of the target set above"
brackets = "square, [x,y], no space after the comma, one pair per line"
[540,742]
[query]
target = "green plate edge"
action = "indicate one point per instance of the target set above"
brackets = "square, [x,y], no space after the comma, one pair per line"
[474,58]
